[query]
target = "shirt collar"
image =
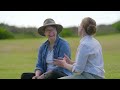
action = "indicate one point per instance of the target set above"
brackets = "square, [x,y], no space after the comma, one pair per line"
[56,41]
[85,37]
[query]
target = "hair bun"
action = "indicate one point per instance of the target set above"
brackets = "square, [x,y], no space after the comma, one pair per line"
[91,29]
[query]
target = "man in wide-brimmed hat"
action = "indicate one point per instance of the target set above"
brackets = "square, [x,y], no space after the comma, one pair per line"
[54,48]
[49,22]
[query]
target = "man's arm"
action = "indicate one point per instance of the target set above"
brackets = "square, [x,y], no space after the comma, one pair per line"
[39,66]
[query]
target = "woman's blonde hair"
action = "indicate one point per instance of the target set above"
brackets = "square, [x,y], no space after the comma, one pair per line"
[89,25]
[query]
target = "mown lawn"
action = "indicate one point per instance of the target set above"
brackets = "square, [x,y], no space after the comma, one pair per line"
[20,55]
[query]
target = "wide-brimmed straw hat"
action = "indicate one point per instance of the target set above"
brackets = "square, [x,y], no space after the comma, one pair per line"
[49,22]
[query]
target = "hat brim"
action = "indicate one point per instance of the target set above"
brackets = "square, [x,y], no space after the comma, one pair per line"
[41,29]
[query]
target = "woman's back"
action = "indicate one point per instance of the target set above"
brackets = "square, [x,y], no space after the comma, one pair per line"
[94,62]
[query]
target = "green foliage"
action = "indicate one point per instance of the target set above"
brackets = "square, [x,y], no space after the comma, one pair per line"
[5,34]
[32,32]
[106,30]
[21,32]
[67,32]
[116,25]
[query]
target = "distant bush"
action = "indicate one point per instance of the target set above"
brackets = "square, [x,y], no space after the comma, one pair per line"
[21,32]
[67,32]
[8,31]
[105,30]
[116,25]
[4,34]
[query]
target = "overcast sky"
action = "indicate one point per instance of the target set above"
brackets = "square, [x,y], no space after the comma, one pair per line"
[66,18]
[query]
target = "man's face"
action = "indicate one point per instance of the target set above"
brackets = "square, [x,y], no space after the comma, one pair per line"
[50,32]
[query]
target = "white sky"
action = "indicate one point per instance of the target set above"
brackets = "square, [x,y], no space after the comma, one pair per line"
[66,18]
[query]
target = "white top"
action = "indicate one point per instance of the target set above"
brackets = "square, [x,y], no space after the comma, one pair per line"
[89,57]
[49,60]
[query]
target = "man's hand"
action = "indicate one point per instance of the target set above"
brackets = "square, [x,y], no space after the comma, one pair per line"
[41,76]
[37,74]
[59,62]
[35,77]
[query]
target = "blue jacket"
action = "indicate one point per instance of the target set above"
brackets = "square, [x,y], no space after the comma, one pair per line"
[60,47]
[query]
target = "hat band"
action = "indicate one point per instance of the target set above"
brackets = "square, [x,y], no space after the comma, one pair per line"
[49,24]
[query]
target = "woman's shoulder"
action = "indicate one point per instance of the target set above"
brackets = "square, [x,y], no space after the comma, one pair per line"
[91,43]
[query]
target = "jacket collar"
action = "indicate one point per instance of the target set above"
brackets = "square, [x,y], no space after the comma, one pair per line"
[86,36]
[56,41]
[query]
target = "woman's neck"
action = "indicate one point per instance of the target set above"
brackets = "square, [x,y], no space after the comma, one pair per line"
[52,42]
[83,34]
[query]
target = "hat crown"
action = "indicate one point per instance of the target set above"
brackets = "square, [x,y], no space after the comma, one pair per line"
[49,21]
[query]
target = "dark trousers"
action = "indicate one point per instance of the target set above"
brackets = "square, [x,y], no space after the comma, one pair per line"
[27,75]
[53,75]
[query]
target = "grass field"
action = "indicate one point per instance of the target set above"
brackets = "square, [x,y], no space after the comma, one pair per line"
[20,55]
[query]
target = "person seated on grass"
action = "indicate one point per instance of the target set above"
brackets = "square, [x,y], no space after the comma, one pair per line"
[55,47]
[89,59]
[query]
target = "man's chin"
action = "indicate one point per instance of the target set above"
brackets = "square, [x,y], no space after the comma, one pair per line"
[52,37]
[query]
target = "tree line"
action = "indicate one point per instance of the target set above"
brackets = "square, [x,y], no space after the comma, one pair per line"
[7,31]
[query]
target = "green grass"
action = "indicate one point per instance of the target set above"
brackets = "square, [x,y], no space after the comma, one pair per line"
[20,55]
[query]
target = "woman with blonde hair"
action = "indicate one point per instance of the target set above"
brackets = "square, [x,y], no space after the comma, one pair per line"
[89,59]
